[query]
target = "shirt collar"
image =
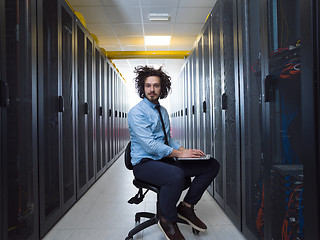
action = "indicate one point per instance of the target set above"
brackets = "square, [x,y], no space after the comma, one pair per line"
[151,104]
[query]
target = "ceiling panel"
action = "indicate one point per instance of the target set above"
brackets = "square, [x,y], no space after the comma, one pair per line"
[108,40]
[157,3]
[121,3]
[124,14]
[101,29]
[158,29]
[127,29]
[93,14]
[132,40]
[186,40]
[198,3]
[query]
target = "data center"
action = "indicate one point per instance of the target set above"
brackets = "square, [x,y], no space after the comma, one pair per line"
[247,93]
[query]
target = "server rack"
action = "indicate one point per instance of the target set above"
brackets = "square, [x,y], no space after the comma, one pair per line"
[106,115]
[90,109]
[18,121]
[103,118]
[200,99]
[83,101]
[251,120]
[46,96]
[310,93]
[3,86]
[207,109]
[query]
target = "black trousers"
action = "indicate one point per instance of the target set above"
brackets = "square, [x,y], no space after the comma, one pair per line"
[170,177]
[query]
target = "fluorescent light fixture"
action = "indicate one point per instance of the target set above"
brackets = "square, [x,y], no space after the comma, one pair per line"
[159,17]
[157,40]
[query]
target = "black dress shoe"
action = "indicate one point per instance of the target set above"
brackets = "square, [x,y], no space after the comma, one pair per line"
[170,230]
[187,214]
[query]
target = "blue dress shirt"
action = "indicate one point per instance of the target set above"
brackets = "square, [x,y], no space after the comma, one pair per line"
[147,137]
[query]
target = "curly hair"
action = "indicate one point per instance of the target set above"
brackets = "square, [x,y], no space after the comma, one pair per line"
[143,72]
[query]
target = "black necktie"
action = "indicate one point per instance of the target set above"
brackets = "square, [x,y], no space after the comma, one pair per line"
[164,130]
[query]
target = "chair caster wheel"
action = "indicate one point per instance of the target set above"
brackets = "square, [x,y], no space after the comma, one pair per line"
[195,231]
[137,219]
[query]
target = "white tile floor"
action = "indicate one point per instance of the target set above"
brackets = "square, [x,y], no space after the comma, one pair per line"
[104,214]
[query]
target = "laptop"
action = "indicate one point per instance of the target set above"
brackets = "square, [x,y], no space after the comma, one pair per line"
[206,157]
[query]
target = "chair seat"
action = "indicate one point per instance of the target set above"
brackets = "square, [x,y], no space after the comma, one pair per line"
[141,184]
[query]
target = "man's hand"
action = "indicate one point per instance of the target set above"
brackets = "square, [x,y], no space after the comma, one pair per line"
[187,153]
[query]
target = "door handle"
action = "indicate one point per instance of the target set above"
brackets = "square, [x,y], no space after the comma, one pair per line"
[204,106]
[4,94]
[86,108]
[224,101]
[268,87]
[61,104]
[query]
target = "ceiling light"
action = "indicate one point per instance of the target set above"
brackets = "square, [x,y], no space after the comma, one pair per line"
[159,17]
[157,40]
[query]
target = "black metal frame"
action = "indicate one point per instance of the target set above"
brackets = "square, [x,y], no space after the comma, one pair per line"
[82,108]
[310,90]
[3,128]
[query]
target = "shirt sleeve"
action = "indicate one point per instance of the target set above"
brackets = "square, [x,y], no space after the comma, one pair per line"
[141,129]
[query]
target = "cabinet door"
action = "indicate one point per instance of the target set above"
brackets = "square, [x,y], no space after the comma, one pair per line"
[227,139]
[200,96]
[284,178]
[20,119]
[81,111]
[98,111]
[67,140]
[3,111]
[91,111]
[216,86]
[251,120]
[48,117]
[103,117]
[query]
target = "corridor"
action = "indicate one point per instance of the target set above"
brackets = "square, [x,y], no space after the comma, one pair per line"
[104,214]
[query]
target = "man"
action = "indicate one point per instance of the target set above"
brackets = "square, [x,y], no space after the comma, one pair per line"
[153,150]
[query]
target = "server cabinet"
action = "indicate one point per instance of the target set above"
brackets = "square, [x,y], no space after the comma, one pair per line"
[3,134]
[185,108]
[200,96]
[251,119]
[83,74]
[206,103]
[103,123]
[107,117]
[195,110]
[226,105]
[56,112]
[67,110]
[90,110]
[19,121]
[284,178]
[99,82]
[110,124]
[310,93]
[188,109]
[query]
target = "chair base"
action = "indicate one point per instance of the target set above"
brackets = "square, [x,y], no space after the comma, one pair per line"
[153,219]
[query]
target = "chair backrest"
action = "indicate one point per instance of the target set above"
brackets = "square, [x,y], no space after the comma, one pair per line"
[127,157]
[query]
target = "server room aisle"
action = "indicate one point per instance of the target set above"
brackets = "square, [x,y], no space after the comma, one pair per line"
[104,214]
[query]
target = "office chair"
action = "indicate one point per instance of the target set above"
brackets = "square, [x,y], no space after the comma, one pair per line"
[153,218]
